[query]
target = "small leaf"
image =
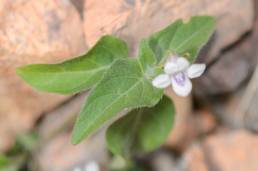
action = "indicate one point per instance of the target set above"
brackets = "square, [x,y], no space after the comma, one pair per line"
[3,160]
[133,168]
[123,86]
[78,74]
[142,129]
[147,57]
[10,163]
[157,46]
[191,36]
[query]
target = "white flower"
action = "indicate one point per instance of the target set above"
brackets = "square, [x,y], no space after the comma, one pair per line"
[178,73]
[77,169]
[92,166]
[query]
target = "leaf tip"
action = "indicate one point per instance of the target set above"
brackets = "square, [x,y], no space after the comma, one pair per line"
[78,134]
[75,140]
[21,72]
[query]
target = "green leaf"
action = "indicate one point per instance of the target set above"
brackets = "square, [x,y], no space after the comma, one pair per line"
[142,129]
[3,160]
[118,163]
[10,164]
[133,168]
[147,57]
[27,142]
[156,48]
[78,74]
[179,39]
[123,86]
[191,36]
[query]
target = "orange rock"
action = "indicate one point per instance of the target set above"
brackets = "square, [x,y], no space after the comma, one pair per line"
[225,152]
[64,156]
[135,19]
[104,17]
[189,128]
[32,32]
[194,160]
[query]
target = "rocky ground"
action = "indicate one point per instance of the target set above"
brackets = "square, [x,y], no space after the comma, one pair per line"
[216,128]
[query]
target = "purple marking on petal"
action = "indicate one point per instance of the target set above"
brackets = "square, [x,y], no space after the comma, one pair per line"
[179,78]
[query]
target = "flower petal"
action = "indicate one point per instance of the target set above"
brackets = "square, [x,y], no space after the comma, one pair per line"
[92,166]
[195,70]
[172,58]
[77,169]
[182,64]
[181,84]
[161,81]
[170,68]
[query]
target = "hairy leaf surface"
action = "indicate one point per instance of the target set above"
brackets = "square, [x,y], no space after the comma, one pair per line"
[123,86]
[190,37]
[77,74]
[142,129]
